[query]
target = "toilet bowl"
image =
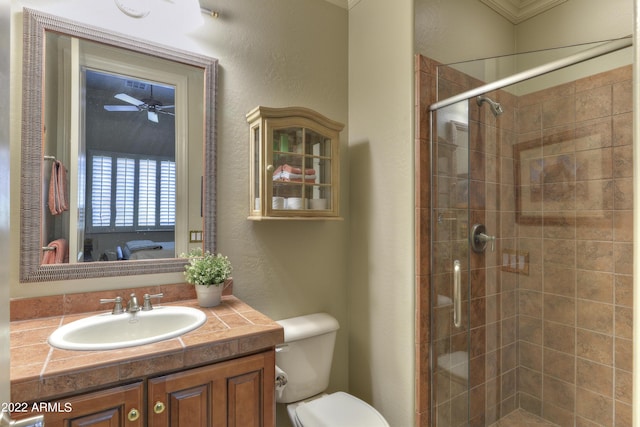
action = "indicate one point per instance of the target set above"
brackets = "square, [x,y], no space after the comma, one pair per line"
[305,358]
[337,409]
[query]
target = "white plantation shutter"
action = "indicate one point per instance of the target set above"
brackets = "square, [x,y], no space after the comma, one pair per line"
[101,191]
[143,199]
[147,193]
[125,192]
[167,193]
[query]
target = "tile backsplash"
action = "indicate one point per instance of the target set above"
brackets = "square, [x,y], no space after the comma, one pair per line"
[83,302]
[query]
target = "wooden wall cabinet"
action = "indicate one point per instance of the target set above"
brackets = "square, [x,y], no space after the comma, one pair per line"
[295,164]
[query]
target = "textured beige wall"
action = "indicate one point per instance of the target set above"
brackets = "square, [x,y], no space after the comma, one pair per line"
[576,22]
[381,267]
[460,30]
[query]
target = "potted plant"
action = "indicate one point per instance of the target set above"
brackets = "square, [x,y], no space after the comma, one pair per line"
[207,272]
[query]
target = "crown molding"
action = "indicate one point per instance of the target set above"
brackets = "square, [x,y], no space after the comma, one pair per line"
[518,11]
[340,3]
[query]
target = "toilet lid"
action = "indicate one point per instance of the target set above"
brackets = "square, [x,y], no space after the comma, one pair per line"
[339,410]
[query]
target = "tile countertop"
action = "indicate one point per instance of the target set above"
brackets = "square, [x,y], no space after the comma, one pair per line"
[40,372]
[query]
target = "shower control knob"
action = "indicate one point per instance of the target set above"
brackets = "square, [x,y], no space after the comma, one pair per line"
[479,239]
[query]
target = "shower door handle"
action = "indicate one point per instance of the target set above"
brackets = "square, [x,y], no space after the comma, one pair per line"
[457,300]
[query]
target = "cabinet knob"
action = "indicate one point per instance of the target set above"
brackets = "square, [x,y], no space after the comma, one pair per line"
[269,168]
[158,408]
[133,414]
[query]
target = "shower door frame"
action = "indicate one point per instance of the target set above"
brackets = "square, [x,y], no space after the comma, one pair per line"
[450,268]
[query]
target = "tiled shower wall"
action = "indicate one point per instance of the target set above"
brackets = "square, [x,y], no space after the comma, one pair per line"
[555,341]
[575,221]
[425,85]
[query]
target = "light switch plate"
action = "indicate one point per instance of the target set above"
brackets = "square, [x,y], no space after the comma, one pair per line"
[195,236]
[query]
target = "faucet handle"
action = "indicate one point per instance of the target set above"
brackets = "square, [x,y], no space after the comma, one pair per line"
[117,308]
[146,305]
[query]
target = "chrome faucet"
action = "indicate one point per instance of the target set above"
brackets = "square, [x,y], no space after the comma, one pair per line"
[132,305]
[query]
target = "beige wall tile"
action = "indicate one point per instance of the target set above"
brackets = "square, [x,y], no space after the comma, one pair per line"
[593,406]
[593,103]
[595,255]
[560,365]
[595,316]
[560,309]
[594,346]
[559,337]
[594,377]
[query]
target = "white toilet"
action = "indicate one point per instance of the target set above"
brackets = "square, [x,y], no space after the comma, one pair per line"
[305,359]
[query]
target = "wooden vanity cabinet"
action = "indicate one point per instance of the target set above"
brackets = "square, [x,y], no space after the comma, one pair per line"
[115,407]
[238,392]
[234,393]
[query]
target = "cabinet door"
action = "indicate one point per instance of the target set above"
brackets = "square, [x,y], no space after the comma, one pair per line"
[238,392]
[115,407]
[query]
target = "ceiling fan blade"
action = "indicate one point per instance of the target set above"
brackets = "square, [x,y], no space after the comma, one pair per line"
[162,107]
[169,113]
[130,99]
[121,108]
[152,116]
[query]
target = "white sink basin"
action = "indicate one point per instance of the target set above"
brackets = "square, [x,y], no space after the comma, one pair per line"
[112,331]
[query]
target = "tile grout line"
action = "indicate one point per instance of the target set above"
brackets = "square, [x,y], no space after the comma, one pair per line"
[49,354]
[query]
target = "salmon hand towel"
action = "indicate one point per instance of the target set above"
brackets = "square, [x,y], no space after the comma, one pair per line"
[58,201]
[58,252]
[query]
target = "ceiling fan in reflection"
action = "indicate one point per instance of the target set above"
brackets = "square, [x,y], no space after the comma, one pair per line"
[150,105]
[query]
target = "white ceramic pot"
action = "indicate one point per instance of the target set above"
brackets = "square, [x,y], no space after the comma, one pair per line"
[209,296]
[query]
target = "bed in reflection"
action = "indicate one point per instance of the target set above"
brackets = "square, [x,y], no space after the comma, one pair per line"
[148,249]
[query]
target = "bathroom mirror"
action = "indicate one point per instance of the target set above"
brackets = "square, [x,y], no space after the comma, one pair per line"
[118,153]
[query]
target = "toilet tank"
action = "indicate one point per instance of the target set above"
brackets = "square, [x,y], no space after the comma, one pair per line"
[306,355]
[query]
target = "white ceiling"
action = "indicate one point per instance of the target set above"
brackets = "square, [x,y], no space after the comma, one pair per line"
[517,11]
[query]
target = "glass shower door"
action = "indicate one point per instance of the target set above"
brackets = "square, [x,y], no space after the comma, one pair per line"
[450,266]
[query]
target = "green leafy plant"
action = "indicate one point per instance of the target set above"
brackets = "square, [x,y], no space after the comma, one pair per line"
[206,269]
